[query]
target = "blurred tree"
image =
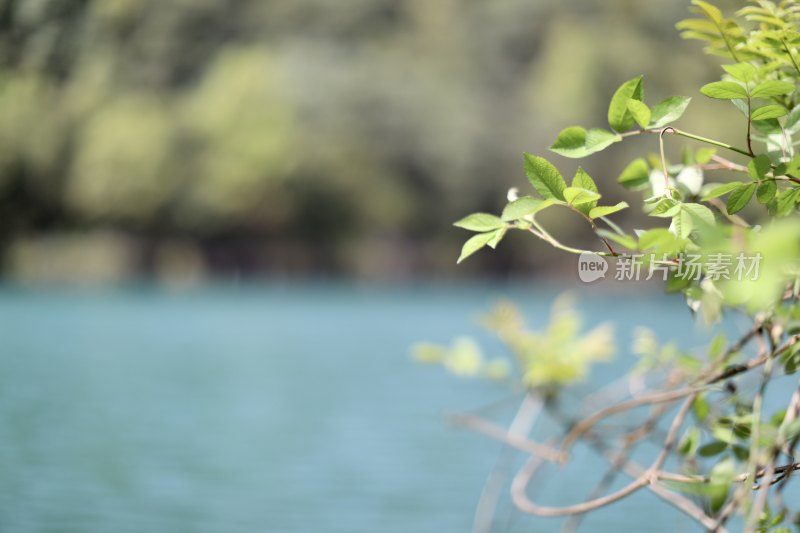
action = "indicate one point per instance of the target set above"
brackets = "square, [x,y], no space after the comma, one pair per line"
[300,124]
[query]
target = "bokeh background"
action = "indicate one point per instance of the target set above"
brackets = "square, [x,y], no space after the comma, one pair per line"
[198,139]
[224,222]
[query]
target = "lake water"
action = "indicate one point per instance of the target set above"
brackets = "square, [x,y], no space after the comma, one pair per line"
[269,409]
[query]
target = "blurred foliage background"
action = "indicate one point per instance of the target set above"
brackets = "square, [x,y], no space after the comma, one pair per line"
[290,138]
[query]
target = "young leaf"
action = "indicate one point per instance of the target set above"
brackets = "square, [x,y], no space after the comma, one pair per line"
[699,212]
[576,196]
[772,88]
[710,11]
[523,207]
[793,120]
[584,181]
[768,111]
[786,201]
[741,71]
[739,197]
[497,236]
[605,210]
[619,118]
[640,111]
[475,243]
[724,90]
[544,177]
[759,166]
[480,222]
[689,216]
[723,189]
[766,191]
[704,155]
[668,110]
[655,237]
[636,175]
[576,142]
[623,240]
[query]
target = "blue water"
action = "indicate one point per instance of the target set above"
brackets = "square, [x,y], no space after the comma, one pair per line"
[269,409]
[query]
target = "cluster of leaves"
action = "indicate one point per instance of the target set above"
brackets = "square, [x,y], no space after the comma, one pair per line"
[732,439]
[559,355]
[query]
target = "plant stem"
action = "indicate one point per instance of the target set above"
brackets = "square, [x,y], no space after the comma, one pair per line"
[545,236]
[689,136]
[749,125]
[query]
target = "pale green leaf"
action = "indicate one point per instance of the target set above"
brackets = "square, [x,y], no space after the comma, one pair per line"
[768,111]
[576,196]
[724,90]
[623,240]
[741,71]
[480,222]
[576,142]
[772,88]
[583,180]
[640,111]
[668,110]
[710,11]
[605,210]
[636,175]
[523,207]
[475,243]
[498,235]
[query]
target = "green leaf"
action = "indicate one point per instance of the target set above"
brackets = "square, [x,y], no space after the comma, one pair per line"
[759,166]
[668,110]
[700,408]
[710,11]
[772,88]
[700,213]
[723,189]
[480,222]
[544,177]
[640,111]
[576,196]
[724,90]
[498,235]
[690,216]
[619,118]
[475,243]
[665,207]
[623,240]
[766,191]
[739,197]
[603,211]
[712,448]
[768,111]
[636,175]
[687,446]
[717,346]
[655,237]
[793,120]
[786,201]
[576,142]
[741,71]
[704,155]
[584,181]
[523,207]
